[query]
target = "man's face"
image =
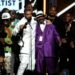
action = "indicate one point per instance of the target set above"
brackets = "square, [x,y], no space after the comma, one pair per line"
[40,19]
[52,11]
[13,15]
[28,15]
[6,22]
[29,6]
[68,18]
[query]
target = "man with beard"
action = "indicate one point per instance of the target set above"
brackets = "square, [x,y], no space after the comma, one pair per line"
[69,44]
[14,18]
[15,46]
[45,38]
[26,26]
[7,41]
[60,27]
[58,22]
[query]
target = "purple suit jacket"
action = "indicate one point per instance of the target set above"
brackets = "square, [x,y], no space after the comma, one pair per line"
[45,48]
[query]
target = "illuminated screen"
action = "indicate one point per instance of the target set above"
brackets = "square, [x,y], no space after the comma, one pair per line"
[12,4]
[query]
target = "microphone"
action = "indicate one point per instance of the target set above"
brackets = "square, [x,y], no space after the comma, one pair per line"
[25,25]
[21,29]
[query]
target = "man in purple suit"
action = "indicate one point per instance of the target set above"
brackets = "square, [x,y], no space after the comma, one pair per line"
[45,37]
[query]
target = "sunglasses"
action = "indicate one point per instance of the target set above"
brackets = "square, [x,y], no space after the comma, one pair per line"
[5,19]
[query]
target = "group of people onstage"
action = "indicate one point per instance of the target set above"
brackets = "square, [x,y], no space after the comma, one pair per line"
[37,45]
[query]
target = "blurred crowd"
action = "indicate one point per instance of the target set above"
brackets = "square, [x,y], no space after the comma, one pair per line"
[34,43]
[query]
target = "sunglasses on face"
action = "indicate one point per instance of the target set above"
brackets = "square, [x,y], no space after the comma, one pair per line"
[6,20]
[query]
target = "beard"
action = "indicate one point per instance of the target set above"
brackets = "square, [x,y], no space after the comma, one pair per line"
[28,20]
[41,21]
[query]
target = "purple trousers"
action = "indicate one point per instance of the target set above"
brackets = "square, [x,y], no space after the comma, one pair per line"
[46,64]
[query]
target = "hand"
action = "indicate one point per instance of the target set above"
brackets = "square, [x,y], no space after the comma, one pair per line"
[64,41]
[9,42]
[59,60]
[49,22]
[72,44]
[22,26]
[1,59]
[2,40]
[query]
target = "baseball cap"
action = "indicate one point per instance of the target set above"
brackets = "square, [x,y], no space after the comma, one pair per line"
[6,15]
[39,13]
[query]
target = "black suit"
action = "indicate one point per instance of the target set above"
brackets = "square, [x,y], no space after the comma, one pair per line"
[72,50]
